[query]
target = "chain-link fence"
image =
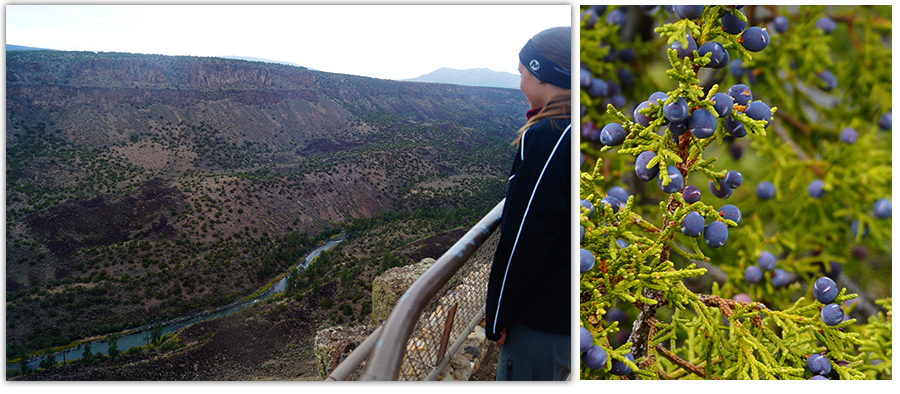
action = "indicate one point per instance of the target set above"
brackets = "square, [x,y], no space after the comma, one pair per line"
[443,321]
[447,316]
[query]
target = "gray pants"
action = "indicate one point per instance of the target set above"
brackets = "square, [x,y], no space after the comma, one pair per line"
[529,354]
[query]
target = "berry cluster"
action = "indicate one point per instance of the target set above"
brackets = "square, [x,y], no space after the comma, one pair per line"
[595,357]
[754,39]
[825,291]
[632,256]
[715,233]
[766,262]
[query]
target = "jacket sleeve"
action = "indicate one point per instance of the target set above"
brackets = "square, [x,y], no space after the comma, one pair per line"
[535,211]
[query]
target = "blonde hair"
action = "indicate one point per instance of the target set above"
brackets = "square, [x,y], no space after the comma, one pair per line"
[554,44]
[559,107]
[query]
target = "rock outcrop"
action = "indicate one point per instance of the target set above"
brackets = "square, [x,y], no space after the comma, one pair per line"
[334,344]
[390,285]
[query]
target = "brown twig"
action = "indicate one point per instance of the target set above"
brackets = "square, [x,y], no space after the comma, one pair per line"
[648,361]
[681,362]
[727,306]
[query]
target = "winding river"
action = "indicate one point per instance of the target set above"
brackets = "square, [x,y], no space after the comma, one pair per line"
[139,336]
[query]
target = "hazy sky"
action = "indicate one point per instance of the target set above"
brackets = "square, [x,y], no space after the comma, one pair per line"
[382,41]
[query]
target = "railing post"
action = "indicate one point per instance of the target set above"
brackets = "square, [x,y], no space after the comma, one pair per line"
[391,346]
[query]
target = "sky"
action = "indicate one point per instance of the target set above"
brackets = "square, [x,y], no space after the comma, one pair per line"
[380,41]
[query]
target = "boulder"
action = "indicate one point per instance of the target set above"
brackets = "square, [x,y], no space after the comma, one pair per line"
[333,344]
[390,285]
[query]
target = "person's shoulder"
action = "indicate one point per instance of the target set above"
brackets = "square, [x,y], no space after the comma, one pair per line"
[549,128]
[553,123]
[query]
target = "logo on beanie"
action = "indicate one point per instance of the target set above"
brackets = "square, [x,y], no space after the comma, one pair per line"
[534,64]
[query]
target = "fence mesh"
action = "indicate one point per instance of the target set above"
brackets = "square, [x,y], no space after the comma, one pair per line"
[467,289]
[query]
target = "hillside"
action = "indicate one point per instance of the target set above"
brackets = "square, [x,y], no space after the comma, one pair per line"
[145,186]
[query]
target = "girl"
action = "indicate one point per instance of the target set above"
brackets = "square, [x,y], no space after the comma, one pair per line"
[528,304]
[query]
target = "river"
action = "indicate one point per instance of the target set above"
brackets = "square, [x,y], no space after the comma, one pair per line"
[139,337]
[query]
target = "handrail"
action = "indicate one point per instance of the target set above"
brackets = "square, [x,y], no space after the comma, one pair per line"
[391,345]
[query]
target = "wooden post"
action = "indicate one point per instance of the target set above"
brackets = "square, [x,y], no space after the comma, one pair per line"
[448,326]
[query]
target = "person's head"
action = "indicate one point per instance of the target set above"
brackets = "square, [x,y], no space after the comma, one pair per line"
[545,64]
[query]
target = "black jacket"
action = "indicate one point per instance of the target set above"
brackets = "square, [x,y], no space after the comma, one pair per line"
[530,279]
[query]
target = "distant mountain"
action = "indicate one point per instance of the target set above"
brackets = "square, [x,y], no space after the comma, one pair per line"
[471,77]
[256,59]
[10,47]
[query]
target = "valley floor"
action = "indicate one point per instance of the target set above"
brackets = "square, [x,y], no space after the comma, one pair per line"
[272,340]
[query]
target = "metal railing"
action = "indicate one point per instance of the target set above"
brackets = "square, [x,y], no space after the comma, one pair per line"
[435,315]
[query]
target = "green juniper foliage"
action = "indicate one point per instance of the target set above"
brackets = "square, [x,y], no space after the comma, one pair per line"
[786,253]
